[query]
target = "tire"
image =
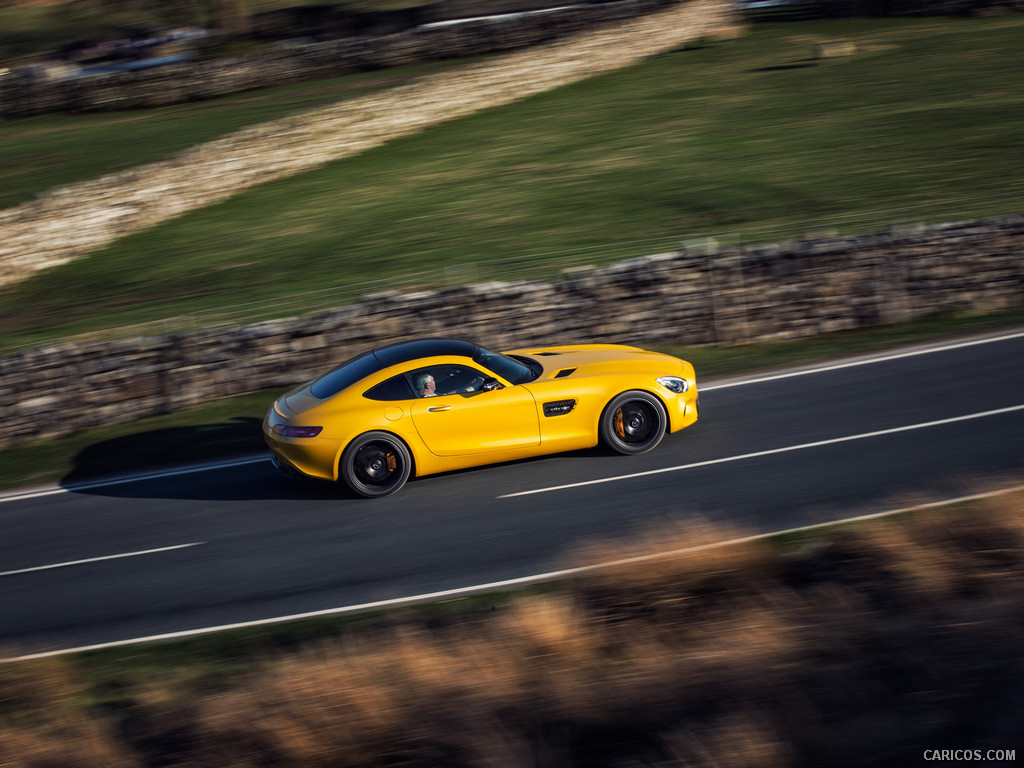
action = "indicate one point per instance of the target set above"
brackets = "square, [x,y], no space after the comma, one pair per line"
[375,464]
[633,422]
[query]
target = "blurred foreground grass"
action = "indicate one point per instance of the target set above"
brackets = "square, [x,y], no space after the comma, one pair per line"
[750,140]
[854,645]
[231,428]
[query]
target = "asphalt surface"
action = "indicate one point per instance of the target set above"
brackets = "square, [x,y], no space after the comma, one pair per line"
[768,454]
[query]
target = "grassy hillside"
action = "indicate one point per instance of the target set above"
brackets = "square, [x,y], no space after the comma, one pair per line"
[40,153]
[925,121]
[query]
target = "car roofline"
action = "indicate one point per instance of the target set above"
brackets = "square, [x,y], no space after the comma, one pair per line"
[405,351]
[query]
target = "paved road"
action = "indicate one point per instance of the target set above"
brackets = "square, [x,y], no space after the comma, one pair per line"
[767,454]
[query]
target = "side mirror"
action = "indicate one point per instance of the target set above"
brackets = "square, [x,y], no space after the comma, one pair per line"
[490,384]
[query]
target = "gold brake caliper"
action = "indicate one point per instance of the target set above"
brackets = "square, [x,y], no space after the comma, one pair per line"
[392,462]
[620,430]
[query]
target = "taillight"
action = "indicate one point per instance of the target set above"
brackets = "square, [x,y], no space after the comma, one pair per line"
[284,431]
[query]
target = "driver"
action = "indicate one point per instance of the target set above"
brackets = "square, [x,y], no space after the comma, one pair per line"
[425,385]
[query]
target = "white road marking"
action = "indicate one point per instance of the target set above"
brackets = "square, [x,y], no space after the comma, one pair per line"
[553,575]
[110,482]
[507,583]
[38,493]
[772,451]
[98,559]
[883,358]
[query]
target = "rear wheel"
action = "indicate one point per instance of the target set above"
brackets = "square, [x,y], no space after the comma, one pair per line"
[634,422]
[376,464]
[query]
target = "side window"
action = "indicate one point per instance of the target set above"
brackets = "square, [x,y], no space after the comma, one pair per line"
[438,380]
[395,388]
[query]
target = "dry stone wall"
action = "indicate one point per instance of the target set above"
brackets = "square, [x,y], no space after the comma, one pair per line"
[696,296]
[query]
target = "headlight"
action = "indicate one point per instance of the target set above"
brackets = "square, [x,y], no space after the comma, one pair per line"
[674,384]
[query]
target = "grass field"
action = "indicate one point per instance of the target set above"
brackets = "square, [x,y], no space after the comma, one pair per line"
[861,644]
[40,153]
[926,121]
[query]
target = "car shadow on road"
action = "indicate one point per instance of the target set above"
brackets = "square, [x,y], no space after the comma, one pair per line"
[213,462]
[161,448]
[162,463]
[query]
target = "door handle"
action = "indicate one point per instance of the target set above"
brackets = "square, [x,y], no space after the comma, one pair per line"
[440,408]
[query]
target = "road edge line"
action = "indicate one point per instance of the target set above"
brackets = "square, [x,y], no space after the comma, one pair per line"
[506,583]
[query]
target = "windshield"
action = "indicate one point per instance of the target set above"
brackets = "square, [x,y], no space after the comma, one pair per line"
[511,370]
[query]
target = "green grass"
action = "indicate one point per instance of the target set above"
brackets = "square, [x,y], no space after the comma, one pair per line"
[40,153]
[231,427]
[926,121]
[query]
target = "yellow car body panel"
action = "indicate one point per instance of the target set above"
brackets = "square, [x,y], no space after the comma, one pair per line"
[559,409]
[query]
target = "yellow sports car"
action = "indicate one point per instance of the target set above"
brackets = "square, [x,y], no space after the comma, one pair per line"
[433,405]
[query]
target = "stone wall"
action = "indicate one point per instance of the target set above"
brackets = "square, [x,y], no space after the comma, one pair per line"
[175,84]
[697,296]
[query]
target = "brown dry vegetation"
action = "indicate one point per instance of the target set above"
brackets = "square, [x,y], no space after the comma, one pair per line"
[862,645]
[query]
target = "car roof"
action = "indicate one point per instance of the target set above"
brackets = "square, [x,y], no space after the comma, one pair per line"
[404,351]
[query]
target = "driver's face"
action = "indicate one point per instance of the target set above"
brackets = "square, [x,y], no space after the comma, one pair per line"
[428,387]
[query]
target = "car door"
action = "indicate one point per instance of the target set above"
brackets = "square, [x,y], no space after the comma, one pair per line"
[477,422]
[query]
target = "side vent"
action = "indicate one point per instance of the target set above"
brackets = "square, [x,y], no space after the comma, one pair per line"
[564,372]
[559,407]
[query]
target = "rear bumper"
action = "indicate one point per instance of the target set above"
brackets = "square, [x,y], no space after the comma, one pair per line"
[285,467]
[307,456]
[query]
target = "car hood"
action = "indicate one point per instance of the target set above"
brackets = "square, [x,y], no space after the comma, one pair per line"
[594,359]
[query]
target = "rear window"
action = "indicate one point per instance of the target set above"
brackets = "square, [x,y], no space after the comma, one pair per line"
[396,388]
[345,375]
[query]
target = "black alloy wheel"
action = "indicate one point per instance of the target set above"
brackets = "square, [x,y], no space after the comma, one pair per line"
[376,464]
[634,422]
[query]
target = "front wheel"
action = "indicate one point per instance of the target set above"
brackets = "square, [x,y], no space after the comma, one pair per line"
[634,422]
[376,464]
